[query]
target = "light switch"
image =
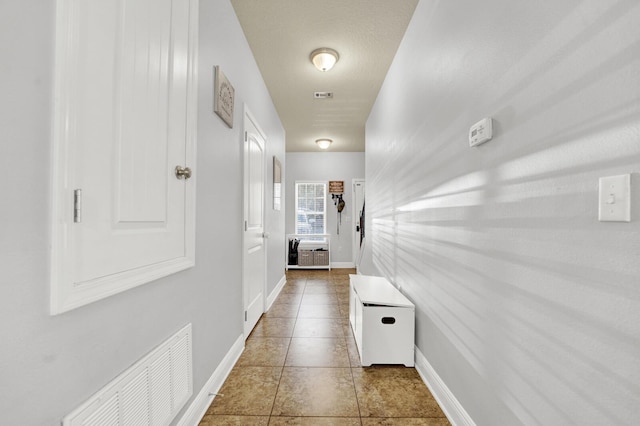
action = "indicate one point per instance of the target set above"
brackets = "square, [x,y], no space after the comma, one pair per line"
[615,199]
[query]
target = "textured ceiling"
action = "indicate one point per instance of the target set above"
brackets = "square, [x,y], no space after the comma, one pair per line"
[282,34]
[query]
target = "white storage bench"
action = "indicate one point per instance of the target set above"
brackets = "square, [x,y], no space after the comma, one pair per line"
[382,320]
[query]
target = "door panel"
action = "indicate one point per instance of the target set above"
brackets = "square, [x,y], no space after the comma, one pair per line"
[254,258]
[133,209]
[124,120]
[142,112]
[256,180]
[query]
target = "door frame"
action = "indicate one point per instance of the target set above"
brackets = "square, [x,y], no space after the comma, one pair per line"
[249,116]
[355,243]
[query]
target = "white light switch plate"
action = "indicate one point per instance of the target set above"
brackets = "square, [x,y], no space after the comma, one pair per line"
[615,199]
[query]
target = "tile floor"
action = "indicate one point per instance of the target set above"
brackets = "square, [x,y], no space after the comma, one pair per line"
[300,366]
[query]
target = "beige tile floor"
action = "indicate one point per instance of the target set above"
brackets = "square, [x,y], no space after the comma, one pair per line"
[300,366]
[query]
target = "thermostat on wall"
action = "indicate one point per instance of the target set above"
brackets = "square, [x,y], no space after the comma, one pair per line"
[481,132]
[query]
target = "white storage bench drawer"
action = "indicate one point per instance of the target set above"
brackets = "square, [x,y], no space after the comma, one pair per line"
[382,320]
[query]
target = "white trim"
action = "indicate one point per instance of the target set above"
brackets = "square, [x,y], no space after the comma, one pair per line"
[74,296]
[192,131]
[356,247]
[275,293]
[205,397]
[339,265]
[452,408]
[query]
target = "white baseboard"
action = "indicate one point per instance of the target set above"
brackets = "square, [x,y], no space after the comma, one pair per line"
[342,265]
[275,293]
[202,401]
[452,408]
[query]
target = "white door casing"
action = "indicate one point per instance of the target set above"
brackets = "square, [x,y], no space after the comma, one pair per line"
[358,206]
[125,114]
[254,247]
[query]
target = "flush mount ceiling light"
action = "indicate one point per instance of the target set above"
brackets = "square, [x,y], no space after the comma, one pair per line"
[323,143]
[324,58]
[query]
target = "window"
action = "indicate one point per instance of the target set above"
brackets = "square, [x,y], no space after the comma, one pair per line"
[311,207]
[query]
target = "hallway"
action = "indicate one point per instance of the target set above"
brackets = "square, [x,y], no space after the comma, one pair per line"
[301,366]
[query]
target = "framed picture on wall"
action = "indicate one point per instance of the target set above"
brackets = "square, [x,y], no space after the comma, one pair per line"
[223,97]
[277,183]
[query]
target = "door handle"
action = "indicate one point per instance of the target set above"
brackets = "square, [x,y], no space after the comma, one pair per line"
[183,172]
[265,235]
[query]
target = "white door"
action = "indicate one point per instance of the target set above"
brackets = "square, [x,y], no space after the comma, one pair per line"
[358,216]
[254,262]
[124,121]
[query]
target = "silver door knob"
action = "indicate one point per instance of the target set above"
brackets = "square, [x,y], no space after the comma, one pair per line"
[183,172]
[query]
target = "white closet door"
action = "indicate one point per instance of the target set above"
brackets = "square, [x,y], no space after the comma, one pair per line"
[254,259]
[125,77]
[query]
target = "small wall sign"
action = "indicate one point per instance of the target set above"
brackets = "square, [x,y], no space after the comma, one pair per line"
[223,97]
[336,186]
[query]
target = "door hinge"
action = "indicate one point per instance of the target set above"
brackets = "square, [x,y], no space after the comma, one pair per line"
[246,227]
[245,315]
[245,136]
[77,206]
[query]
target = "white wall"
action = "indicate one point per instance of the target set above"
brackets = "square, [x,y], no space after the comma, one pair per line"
[326,166]
[50,364]
[528,308]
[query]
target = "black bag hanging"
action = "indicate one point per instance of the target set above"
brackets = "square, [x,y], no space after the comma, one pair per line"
[339,203]
[293,251]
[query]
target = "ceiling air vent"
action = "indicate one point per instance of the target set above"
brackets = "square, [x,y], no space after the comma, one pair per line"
[322,95]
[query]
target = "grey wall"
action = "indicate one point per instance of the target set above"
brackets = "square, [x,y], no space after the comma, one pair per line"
[50,364]
[527,307]
[222,42]
[326,166]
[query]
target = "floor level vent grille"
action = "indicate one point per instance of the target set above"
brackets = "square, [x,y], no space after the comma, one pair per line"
[151,392]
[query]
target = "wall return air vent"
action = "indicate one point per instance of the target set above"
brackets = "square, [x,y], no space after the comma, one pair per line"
[150,393]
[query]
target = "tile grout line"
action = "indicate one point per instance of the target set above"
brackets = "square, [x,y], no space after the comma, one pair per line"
[345,340]
[353,381]
[284,362]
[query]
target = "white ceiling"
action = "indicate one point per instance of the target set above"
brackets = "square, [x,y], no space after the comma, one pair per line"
[282,34]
